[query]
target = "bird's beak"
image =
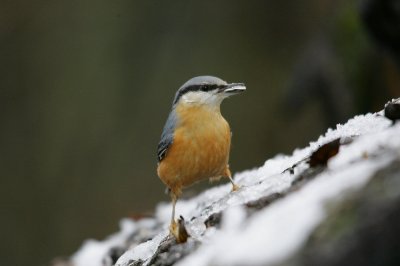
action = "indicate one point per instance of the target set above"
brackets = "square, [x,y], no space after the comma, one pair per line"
[234,88]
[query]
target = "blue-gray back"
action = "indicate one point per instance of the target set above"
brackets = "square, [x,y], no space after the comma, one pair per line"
[167,136]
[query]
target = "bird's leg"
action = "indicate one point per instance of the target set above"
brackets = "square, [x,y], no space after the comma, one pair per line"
[234,186]
[174,226]
[229,175]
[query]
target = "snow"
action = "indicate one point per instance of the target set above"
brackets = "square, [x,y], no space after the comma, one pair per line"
[143,251]
[274,233]
[281,228]
[93,252]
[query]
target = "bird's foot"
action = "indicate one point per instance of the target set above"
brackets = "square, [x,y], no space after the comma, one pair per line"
[174,229]
[235,187]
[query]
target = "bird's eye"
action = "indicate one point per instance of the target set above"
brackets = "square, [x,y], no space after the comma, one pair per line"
[204,87]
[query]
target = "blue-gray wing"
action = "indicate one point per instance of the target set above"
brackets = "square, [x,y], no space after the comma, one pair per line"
[167,136]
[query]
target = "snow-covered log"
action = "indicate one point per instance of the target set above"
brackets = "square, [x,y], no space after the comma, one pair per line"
[335,202]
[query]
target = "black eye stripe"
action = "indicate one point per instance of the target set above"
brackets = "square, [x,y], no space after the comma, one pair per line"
[197,87]
[207,87]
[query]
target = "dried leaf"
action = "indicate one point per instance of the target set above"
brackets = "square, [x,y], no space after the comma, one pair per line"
[183,235]
[321,156]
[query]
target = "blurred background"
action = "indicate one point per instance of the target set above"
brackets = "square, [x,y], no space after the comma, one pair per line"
[86,86]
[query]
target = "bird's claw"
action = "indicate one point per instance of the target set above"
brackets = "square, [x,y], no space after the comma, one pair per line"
[173,229]
[235,187]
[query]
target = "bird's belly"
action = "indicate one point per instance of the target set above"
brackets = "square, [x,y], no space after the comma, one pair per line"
[204,158]
[196,155]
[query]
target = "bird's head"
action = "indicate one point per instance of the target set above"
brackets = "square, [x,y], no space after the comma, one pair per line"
[206,90]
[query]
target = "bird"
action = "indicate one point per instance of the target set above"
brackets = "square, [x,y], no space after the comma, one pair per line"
[195,142]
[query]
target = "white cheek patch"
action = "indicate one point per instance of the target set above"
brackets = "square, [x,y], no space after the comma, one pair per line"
[201,97]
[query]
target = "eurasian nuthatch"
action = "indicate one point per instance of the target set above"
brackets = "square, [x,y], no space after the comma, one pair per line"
[196,139]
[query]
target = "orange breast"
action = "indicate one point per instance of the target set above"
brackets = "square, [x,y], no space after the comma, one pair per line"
[200,148]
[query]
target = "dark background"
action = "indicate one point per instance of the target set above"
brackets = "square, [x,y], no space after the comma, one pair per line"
[86,86]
